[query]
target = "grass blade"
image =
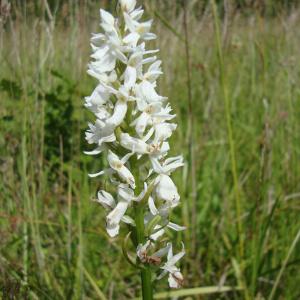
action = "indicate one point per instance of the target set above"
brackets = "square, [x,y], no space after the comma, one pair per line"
[94,284]
[295,241]
[196,291]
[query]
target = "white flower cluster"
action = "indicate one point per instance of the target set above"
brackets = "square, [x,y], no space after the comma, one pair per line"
[132,128]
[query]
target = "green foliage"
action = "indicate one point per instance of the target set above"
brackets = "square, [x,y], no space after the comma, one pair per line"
[11,88]
[59,120]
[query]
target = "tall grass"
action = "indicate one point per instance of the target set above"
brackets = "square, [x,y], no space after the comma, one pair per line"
[240,187]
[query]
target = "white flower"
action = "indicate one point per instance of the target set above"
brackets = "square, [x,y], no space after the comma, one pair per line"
[99,133]
[118,165]
[105,60]
[117,212]
[175,277]
[107,21]
[164,115]
[167,190]
[165,187]
[153,72]
[159,150]
[134,144]
[163,131]
[125,197]
[106,200]
[107,47]
[102,77]
[97,101]
[114,217]
[119,113]
[120,109]
[139,30]
[128,5]
[145,118]
[127,193]
[145,91]
[144,255]
[162,211]
[168,166]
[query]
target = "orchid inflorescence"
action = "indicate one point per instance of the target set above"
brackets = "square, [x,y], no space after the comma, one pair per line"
[132,128]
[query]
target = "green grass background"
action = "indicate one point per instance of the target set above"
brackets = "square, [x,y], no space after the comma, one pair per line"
[53,241]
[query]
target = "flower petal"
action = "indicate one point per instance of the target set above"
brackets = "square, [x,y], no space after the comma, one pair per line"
[96,151]
[96,174]
[176,227]
[117,165]
[175,279]
[128,5]
[106,199]
[167,190]
[119,114]
[133,144]
[152,207]
[129,77]
[128,220]
[114,217]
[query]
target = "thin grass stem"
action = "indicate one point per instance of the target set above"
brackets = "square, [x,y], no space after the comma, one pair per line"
[231,141]
[190,130]
[283,267]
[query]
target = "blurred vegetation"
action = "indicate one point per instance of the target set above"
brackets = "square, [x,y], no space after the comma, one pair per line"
[53,242]
[264,7]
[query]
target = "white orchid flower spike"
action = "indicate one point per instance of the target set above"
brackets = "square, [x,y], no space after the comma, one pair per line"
[132,130]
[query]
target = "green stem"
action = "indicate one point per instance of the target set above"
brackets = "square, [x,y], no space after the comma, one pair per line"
[140,238]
